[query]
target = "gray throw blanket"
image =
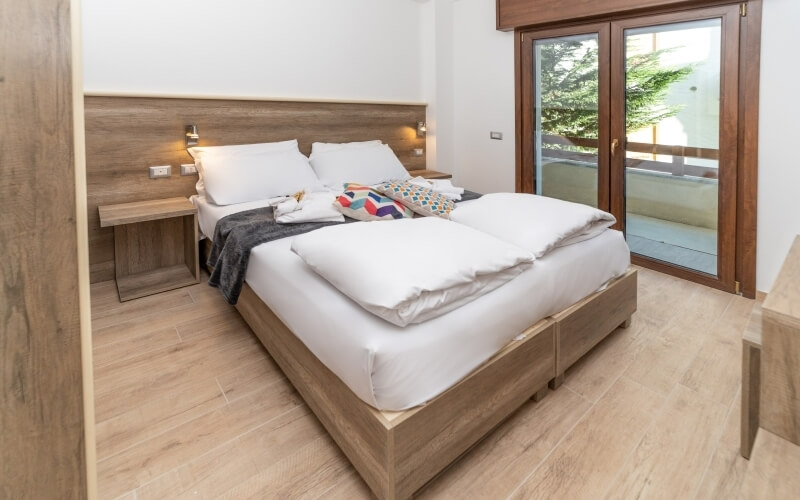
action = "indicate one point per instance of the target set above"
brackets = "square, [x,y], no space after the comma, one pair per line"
[237,234]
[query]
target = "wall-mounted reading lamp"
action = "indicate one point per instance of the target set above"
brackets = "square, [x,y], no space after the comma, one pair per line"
[191,135]
[421,129]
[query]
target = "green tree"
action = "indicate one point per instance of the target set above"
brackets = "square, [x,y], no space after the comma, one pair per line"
[569,86]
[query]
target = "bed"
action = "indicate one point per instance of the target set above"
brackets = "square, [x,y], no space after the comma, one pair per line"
[398,407]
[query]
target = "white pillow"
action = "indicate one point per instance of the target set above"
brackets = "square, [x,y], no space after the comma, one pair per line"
[324,147]
[258,176]
[365,165]
[200,152]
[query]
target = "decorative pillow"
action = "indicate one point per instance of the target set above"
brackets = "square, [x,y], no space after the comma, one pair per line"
[364,203]
[364,165]
[422,200]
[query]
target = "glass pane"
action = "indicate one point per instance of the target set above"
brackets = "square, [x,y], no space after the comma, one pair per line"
[566,117]
[672,149]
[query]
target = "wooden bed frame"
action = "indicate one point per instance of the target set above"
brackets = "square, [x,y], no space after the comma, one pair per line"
[397,453]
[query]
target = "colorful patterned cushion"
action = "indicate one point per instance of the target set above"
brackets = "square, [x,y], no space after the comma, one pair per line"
[422,200]
[364,203]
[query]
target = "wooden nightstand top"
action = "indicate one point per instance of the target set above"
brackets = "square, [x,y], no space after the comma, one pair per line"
[752,334]
[783,301]
[430,174]
[140,211]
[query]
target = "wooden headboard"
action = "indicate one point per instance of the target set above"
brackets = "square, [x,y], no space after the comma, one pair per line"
[125,135]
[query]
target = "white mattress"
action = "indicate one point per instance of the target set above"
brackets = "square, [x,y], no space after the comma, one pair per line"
[394,368]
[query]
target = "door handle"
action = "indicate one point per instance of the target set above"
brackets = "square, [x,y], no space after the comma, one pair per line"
[614,145]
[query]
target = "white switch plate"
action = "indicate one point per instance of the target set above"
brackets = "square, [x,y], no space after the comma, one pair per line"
[498,136]
[419,151]
[160,171]
[188,169]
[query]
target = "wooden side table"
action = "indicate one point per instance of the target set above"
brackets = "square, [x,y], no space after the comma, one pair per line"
[155,245]
[430,174]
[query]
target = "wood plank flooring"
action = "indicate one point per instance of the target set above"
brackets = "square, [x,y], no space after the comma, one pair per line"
[190,405]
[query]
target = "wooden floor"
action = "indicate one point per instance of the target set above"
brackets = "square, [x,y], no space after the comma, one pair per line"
[189,405]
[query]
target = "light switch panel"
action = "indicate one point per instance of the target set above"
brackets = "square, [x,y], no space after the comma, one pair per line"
[498,136]
[160,171]
[188,169]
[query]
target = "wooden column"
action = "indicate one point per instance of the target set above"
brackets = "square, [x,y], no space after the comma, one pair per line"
[42,451]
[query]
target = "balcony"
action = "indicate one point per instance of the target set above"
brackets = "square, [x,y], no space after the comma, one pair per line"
[671,206]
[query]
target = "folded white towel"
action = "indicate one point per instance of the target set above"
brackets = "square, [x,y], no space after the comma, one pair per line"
[314,207]
[446,187]
[286,206]
[442,186]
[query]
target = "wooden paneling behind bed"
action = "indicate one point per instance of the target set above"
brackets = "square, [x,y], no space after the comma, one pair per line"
[125,135]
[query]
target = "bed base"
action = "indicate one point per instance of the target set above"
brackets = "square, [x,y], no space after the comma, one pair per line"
[582,326]
[396,453]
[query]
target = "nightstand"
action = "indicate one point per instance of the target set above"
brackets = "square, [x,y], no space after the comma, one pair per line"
[430,174]
[155,245]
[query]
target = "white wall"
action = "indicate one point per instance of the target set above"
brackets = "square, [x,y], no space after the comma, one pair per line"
[439,73]
[779,169]
[473,95]
[343,49]
[483,92]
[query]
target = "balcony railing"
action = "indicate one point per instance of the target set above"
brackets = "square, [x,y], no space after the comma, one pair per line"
[677,167]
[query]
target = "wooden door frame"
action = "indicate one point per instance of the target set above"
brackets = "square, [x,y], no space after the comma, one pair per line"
[747,178]
[746,188]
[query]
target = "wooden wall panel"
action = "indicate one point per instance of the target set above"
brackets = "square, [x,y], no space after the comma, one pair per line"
[125,135]
[42,453]
[513,14]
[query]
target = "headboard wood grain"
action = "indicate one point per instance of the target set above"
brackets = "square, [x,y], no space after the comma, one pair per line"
[125,135]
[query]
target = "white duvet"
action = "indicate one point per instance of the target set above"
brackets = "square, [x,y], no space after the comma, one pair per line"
[411,270]
[536,223]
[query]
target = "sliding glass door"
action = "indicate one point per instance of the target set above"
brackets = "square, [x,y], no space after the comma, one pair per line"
[638,117]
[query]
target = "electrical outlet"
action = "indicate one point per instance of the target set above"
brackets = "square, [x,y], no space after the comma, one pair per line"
[419,151]
[498,136]
[188,169]
[160,171]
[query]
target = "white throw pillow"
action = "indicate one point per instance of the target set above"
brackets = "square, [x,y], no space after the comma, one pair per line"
[325,147]
[242,178]
[367,166]
[200,152]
